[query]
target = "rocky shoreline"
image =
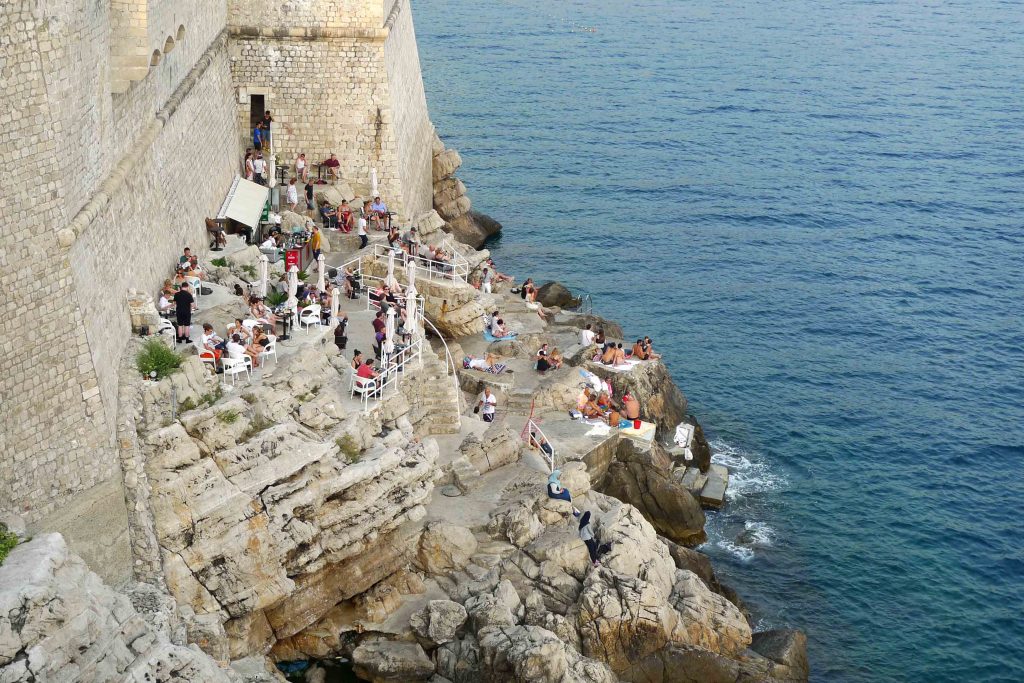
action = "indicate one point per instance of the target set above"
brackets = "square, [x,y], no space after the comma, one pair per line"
[280,521]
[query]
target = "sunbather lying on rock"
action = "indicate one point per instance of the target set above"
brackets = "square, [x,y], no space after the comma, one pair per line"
[489,363]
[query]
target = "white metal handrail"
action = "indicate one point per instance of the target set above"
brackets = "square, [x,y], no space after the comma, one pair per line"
[531,428]
[450,368]
[391,372]
[456,269]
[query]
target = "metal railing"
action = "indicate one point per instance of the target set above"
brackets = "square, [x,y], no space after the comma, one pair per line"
[532,428]
[456,269]
[586,305]
[394,366]
[450,368]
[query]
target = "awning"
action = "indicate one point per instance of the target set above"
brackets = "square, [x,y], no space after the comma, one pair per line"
[245,202]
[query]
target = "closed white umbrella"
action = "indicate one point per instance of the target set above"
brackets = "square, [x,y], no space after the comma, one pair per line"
[335,304]
[320,273]
[373,182]
[390,279]
[264,275]
[389,334]
[293,287]
[411,308]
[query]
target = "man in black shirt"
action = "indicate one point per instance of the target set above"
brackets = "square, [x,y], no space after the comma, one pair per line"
[310,206]
[183,304]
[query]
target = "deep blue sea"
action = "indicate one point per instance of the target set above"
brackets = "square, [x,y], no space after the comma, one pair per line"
[816,209]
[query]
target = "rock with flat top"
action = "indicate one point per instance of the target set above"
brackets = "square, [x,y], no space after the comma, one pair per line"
[531,653]
[385,661]
[712,495]
[556,294]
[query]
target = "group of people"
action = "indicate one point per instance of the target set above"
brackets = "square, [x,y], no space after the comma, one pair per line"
[594,404]
[240,342]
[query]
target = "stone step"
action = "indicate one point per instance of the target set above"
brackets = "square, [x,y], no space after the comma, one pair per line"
[693,479]
[466,476]
[712,495]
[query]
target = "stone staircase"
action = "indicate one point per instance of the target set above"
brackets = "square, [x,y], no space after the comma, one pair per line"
[709,488]
[436,402]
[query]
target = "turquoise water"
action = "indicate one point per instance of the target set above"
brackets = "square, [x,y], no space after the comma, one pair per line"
[817,211]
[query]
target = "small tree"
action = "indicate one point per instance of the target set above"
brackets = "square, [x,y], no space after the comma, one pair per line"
[156,356]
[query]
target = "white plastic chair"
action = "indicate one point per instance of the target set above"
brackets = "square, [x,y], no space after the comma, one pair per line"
[208,356]
[310,316]
[236,366]
[269,350]
[363,386]
[196,285]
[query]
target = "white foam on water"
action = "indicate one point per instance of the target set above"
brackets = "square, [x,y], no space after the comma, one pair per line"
[748,474]
[758,534]
[740,552]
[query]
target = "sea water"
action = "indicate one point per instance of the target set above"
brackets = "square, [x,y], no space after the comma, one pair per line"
[816,209]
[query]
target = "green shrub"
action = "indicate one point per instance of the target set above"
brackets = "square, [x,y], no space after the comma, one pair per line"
[249,270]
[303,275]
[7,542]
[187,405]
[228,417]
[219,262]
[347,444]
[276,298]
[156,356]
[212,397]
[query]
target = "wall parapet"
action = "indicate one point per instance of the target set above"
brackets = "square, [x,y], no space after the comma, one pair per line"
[308,32]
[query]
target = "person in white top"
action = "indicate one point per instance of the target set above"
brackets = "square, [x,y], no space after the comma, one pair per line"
[259,167]
[586,337]
[361,231]
[235,349]
[486,405]
[300,168]
[250,171]
[293,195]
[165,305]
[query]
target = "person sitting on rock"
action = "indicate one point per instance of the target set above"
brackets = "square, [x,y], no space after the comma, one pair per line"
[639,352]
[649,348]
[556,359]
[555,489]
[587,336]
[498,329]
[599,338]
[543,364]
[499,277]
[346,217]
[608,355]
[619,357]
[630,406]
[588,406]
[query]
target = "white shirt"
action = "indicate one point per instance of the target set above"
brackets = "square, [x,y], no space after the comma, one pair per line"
[489,403]
[478,364]
[300,164]
[211,339]
[164,303]
[362,227]
[270,243]
[293,195]
[235,350]
[258,165]
[587,337]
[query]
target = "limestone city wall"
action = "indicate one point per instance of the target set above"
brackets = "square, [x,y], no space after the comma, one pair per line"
[104,190]
[111,165]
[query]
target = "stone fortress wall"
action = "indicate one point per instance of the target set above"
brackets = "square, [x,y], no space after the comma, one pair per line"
[111,164]
[340,77]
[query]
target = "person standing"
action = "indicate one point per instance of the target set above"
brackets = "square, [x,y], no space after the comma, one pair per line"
[361,231]
[315,243]
[259,167]
[257,137]
[183,305]
[486,405]
[310,205]
[587,536]
[292,195]
[266,121]
[485,281]
[250,173]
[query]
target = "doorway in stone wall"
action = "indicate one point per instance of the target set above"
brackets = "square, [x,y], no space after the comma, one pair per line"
[257,106]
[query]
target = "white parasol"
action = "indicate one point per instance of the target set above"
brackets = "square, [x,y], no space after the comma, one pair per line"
[292,304]
[411,324]
[264,276]
[335,304]
[373,182]
[320,273]
[389,334]
[390,280]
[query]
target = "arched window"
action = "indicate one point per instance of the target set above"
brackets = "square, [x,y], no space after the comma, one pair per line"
[181,34]
[155,59]
[168,45]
